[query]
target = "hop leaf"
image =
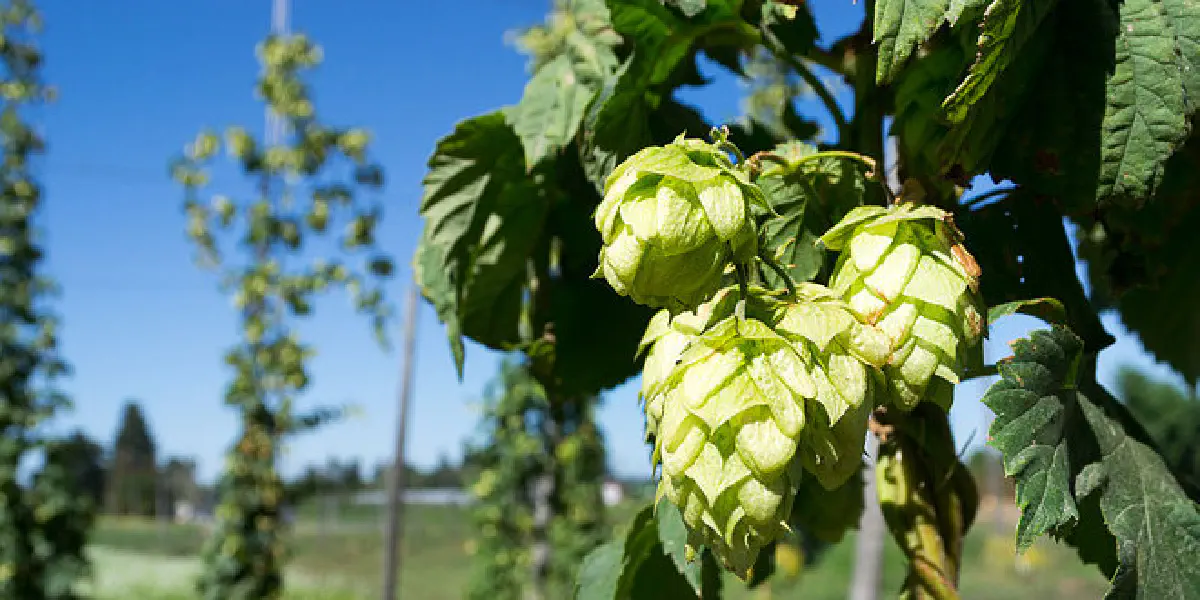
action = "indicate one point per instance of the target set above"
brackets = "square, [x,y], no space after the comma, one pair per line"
[672,219]
[904,271]
[739,408]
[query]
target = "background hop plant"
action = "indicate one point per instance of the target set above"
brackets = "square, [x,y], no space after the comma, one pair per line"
[904,270]
[739,407]
[672,219]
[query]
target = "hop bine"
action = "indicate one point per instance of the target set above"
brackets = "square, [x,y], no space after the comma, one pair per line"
[904,270]
[739,408]
[673,217]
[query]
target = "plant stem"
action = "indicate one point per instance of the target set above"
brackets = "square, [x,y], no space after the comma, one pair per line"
[781,272]
[870,162]
[720,137]
[710,577]
[820,89]
[729,147]
[867,128]
[833,59]
[926,508]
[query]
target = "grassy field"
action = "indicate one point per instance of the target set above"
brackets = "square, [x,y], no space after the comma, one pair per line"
[150,561]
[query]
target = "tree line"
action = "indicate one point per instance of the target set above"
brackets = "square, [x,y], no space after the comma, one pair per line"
[131,477]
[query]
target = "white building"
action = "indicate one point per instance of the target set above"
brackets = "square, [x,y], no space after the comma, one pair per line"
[612,492]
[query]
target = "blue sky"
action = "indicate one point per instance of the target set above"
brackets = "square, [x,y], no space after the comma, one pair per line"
[137,80]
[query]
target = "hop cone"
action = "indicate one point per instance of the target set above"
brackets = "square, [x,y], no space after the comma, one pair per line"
[903,270]
[671,220]
[739,408]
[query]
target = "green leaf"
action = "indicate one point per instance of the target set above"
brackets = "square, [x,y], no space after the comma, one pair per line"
[428,261]
[1065,451]
[1092,106]
[1007,25]
[621,120]
[1142,261]
[608,572]
[596,330]
[1155,313]
[551,110]
[1052,146]
[632,567]
[1183,16]
[1171,416]
[617,125]
[1155,523]
[702,574]
[822,517]
[1145,118]
[1023,251]
[483,216]
[902,25]
[597,333]
[672,534]
[810,199]
[557,97]
[1046,309]
[600,574]
[1029,430]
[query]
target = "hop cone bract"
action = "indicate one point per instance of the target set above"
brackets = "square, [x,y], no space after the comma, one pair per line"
[904,270]
[672,219]
[739,408]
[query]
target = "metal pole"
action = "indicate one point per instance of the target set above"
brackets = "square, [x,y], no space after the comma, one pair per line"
[273,135]
[395,509]
[279,27]
[868,546]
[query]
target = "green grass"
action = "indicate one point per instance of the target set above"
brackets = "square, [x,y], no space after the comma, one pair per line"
[149,561]
[341,563]
[123,574]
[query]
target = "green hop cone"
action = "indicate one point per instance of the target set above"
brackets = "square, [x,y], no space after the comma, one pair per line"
[672,219]
[740,408]
[904,270]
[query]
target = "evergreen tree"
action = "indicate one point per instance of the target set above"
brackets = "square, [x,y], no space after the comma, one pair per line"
[177,483]
[83,461]
[133,468]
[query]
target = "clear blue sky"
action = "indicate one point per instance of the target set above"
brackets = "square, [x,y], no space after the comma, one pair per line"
[137,80]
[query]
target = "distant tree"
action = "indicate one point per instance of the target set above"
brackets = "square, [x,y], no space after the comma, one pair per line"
[351,476]
[83,461]
[303,487]
[444,475]
[1171,417]
[177,481]
[133,470]
[413,478]
[342,475]
[335,476]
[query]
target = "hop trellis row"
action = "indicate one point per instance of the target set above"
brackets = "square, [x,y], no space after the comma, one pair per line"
[747,390]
